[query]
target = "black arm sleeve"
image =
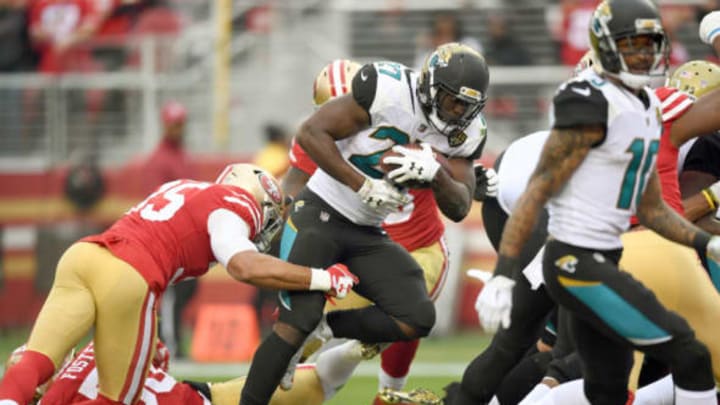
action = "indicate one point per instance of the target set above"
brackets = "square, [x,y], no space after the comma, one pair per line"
[704,155]
[364,85]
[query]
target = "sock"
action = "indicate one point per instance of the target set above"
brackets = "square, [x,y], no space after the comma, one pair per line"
[395,363]
[369,325]
[267,369]
[21,379]
[661,392]
[387,381]
[685,397]
[335,366]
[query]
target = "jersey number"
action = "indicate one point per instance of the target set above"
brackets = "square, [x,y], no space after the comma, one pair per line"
[166,201]
[391,69]
[367,163]
[634,180]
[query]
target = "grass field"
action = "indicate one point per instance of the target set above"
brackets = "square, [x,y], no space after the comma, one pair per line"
[438,362]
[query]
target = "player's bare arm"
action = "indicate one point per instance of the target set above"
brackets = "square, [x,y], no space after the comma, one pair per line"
[337,119]
[700,119]
[699,206]
[266,271]
[453,187]
[293,181]
[655,214]
[563,152]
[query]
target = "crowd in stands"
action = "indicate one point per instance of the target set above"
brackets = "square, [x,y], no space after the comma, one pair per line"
[57,36]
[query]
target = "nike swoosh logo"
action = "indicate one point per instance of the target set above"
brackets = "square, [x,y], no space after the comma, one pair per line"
[584,91]
[363,75]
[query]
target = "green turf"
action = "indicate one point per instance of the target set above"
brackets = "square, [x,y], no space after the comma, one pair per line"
[458,348]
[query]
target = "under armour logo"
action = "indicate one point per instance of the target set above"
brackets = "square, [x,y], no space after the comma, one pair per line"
[324,216]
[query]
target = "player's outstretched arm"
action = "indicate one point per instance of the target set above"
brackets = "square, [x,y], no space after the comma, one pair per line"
[700,119]
[265,271]
[655,214]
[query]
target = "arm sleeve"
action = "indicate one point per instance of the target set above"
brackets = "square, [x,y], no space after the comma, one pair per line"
[364,86]
[229,235]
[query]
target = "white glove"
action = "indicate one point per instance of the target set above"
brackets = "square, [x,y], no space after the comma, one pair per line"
[486,183]
[378,193]
[709,27]
[415,164]
[713,248]
[494,302]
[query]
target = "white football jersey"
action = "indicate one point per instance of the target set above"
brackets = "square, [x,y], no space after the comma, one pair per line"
[596,204]
[517,165]
[388,91]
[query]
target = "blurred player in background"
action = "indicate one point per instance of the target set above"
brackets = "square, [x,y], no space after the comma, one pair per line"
[111,282]
[339,212]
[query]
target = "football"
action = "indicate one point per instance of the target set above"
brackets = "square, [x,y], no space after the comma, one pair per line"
[388,167]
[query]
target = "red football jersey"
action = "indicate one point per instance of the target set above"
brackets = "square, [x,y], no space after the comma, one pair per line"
[165,238]
[78,381]
[674,104]
[418,224]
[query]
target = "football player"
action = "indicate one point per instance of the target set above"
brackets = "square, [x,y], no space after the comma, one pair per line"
[418,228]
[596,170]
[77,382]
[111,282]
[340,211]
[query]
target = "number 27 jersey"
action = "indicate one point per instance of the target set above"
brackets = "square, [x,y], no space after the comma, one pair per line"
[387,90]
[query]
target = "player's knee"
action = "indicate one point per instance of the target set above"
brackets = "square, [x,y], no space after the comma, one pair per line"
[422,319]
[691,366]
[290,334]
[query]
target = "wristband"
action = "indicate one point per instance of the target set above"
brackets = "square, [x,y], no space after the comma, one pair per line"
[320,280]
[701,241]
[710,198]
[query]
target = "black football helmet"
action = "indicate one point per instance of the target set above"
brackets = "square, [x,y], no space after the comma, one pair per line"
[617,19]
[459,71]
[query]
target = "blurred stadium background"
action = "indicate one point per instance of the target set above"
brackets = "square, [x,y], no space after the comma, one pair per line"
[241,67]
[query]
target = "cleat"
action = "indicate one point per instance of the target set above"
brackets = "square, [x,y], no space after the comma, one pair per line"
[370,350]
[418,396]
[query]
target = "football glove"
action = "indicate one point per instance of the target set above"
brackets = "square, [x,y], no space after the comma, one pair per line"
[415,164]
[713,260]
[341,280]
[378,193]
[494,302]
[486,183]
